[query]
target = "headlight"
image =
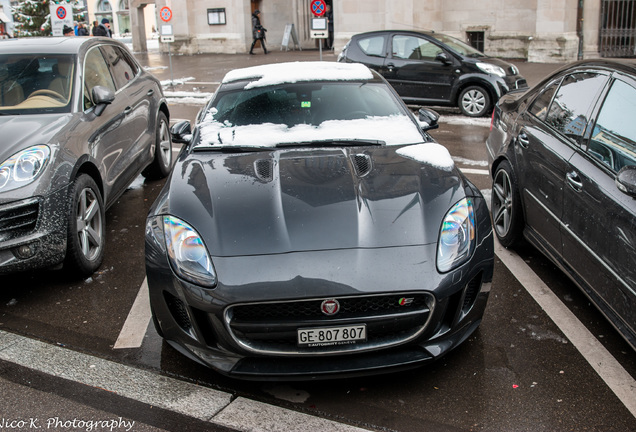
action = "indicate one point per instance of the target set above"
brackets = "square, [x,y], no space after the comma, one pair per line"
[456,237]
[491,69]
[187,252]
[23,167]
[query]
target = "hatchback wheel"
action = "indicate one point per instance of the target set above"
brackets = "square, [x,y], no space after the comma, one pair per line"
[507,214]
[474,101]
[86,230]
[161,164]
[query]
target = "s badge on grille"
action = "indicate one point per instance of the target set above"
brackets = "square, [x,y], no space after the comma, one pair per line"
[330,307]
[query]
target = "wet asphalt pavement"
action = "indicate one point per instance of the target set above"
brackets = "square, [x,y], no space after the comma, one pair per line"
[521,371]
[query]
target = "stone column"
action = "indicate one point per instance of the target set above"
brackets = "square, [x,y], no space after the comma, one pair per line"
[591,28]
[138,24]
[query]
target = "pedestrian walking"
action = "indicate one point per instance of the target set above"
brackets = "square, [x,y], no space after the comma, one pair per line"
[258,31]
[81,29]
[103,29]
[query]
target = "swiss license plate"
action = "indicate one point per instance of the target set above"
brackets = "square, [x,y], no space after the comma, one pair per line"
[329,336]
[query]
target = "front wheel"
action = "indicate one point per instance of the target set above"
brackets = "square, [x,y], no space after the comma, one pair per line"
[86,227]
[507,213]
[162,162]
[474,101]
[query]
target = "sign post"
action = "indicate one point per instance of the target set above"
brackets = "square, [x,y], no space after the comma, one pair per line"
[167,35]
[319,22]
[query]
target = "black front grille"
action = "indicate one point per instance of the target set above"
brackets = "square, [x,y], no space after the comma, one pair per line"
[178,310]
[273,327]
[18,219]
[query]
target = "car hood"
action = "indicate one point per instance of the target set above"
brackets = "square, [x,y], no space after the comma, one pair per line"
[23,131]
[292,200]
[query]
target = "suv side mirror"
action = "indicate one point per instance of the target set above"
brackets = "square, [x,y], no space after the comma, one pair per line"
[443,57]
[427,118]
[102,96]
[626,180]
[181,132]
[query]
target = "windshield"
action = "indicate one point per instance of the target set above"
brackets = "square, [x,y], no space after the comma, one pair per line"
[458,46]
[307,112]
[35,83]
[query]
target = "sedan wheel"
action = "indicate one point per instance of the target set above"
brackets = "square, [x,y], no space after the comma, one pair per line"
[506,207]
[85,228]
[160,166]
[474,101]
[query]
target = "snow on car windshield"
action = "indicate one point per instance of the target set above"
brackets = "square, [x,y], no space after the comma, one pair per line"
[308,111]
[280,73]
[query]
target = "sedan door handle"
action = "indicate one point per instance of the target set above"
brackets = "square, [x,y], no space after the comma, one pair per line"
[150,92]
[523,140]
[127,110]
[574,181]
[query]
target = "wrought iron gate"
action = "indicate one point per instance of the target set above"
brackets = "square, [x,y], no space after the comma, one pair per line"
[618,28]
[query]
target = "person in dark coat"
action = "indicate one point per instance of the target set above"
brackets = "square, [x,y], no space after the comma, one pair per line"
[103,29]
[258,31]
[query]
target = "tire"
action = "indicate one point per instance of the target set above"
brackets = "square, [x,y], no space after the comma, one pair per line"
[86,227]
[507,214]
[162,162]
[474,101]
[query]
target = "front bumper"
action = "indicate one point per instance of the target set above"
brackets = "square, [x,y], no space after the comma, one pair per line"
[33,232]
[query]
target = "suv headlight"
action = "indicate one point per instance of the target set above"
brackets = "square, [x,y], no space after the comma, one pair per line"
[187,253]
[456,237]
[491,69]
[23,167]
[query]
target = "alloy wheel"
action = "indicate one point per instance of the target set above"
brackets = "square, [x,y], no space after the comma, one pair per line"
[89,224]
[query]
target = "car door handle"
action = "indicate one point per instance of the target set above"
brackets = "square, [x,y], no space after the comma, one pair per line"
[150,92]
[127,110]
[523,140]
[390,67]
[574,181]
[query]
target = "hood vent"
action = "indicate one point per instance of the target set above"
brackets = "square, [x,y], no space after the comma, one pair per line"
[264,169]
[362,164]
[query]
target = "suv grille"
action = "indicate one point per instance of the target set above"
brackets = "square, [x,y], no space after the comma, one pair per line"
[273,327]
[18,219]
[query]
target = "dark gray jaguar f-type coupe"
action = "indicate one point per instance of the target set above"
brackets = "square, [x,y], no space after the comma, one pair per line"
[312,228]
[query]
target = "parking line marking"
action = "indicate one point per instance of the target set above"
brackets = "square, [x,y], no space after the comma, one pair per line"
[134,330]
[149,387]
[474,171]
[605,365]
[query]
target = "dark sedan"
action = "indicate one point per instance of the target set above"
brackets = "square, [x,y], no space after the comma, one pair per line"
[79,120]
[429,68]
[563,159]
[312,228]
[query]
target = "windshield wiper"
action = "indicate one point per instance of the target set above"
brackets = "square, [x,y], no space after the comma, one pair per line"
[354,142]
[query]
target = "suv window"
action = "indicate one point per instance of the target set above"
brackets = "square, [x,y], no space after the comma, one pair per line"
[123,68]
[414,48]
[573,102]
[614,137]
[373,46]
[96,73]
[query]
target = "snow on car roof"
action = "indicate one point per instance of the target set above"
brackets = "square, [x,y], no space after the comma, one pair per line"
[292,72]
[394,130]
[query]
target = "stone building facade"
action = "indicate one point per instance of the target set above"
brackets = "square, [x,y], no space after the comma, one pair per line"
[536,30]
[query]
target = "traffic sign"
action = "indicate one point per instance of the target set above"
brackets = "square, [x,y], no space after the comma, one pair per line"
[61,12]
[318,7]
[165,13]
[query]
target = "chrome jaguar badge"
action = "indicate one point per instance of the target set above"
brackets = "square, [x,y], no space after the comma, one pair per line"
[330,307]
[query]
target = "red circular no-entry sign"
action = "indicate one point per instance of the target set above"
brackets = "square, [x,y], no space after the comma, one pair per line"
[318,7]
[165,13]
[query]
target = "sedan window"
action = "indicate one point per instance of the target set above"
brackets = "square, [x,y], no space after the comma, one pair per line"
[373,46]
[540,105]
[614,138]
[572,104]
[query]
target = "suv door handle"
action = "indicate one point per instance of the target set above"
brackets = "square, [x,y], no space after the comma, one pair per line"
[523,140]
[150,92]
[574,181]
[127,110]
[390,67]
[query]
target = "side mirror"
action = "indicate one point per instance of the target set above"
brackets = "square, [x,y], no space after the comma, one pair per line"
[626,180]
[443,57]
[181,132]
[102,96]
[427,118]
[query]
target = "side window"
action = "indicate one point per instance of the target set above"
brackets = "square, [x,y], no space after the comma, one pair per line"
[573,102]
[122,67]
[541,104]
[414,48]
[96,73]
[373,46]
[613,140]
